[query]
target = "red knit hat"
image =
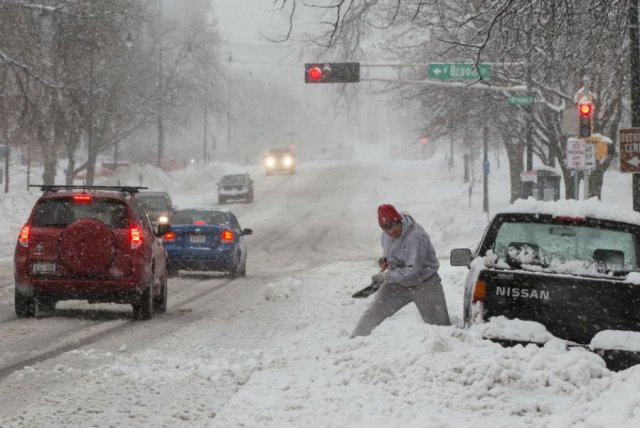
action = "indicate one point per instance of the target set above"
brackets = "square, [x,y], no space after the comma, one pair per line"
[387,214]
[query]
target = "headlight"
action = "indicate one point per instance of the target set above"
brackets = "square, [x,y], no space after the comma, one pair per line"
[287,161]
[270,161]
[163,219]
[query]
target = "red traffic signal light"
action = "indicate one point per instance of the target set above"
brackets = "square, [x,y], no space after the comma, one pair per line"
[585,123]
[314,74]
[585,109]
[332,72]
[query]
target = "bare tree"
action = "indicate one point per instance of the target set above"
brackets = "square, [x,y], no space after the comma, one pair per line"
[85,73]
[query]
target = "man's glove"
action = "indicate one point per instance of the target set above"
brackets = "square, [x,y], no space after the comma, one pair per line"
[376,282]
[382,262]
[377,279]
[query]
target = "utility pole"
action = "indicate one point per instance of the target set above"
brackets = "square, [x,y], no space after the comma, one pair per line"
[527,186]
[160,95]
[451,131]
[90,166]
[485,171]
[634,62]
[7,153]
[206,113]
[229,121]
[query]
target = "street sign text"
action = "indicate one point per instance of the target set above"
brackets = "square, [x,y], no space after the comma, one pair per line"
[576,156]
[520,99]
[630,150]
[459,71]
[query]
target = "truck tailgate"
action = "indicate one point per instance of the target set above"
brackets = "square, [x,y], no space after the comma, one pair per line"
[570,307]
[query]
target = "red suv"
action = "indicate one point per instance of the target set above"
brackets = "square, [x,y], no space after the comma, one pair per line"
[92,243]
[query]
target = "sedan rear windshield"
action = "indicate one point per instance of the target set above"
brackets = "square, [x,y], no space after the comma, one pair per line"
[63,212]
[234,179]
[566,248]
[200,217]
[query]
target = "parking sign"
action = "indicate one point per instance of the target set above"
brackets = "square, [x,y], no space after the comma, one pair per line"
[576,154]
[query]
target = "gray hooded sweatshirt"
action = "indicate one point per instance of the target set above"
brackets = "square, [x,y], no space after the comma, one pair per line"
[412,259]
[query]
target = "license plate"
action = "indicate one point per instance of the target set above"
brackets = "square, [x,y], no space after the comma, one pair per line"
[41,268]
[198,239]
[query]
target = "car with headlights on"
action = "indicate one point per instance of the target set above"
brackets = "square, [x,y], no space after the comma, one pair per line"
[206,239]
[563,270]
[158,205]
[234,187]
[93,243]
[280,160]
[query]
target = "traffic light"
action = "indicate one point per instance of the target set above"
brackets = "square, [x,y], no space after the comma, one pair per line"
[332,72]
[585,112]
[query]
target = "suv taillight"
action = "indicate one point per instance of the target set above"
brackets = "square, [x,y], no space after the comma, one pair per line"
[226,237]
[135,237]
[23,238]
[82,197]
[170,236]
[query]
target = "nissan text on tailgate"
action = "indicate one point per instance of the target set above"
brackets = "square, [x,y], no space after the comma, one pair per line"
[565,270]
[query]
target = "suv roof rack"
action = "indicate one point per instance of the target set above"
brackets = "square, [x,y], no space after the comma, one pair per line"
[53,188]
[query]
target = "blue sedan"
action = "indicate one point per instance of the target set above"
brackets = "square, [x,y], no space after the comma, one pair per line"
[206,239]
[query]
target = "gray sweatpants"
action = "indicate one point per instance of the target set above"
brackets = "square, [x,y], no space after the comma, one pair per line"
[390,298]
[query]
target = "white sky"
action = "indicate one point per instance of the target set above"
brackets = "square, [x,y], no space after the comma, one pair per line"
[245,20]
[274,351]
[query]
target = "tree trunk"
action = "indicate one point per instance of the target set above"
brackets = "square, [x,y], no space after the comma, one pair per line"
[569,182]
[596,178]
[47,142]
[69,173]
[515,154]
[91,168]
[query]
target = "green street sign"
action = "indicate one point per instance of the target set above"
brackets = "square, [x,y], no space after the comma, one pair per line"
[458,71]
[520,100]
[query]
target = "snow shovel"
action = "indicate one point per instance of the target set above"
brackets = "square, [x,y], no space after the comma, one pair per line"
[365,292]
[369,290]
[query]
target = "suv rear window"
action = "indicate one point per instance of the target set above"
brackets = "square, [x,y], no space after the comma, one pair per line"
[63,212]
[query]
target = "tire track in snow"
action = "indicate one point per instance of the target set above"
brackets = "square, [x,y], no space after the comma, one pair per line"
[105,331]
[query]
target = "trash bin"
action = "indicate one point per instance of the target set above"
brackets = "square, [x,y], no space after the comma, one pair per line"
[547,187]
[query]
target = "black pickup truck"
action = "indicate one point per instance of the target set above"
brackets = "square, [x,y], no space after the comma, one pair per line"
[569,268]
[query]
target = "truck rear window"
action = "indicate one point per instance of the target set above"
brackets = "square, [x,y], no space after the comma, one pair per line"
[63,212]
[566,247]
